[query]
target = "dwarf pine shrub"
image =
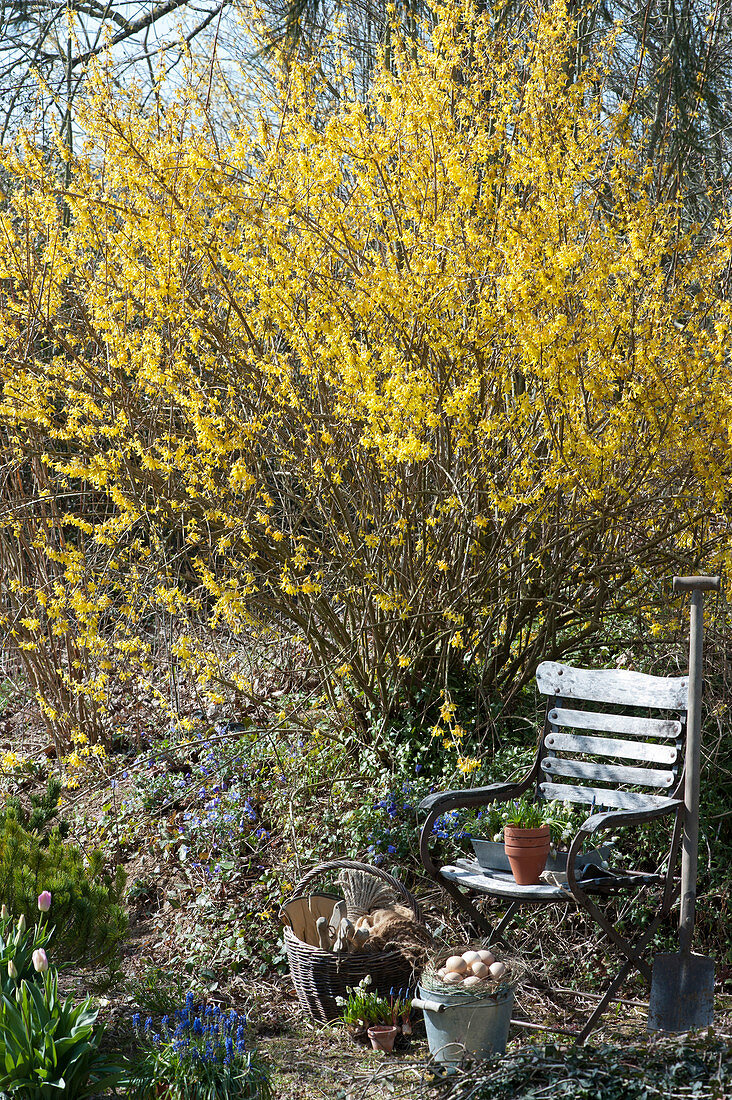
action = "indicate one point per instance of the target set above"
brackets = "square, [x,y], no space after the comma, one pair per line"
[87,911]
[43,813]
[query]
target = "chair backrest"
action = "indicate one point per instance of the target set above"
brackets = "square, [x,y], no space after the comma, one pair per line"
[605,742]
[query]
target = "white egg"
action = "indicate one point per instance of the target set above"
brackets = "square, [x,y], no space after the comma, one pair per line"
[457,964]
[497,969]
[441,972]
[480,969]
[452,977]
[471,981]
[487,957]
[471,957]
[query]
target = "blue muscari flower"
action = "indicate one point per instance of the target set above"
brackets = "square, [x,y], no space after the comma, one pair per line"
[241,1046]
[391,849]
[417,768]
[164,1023]
[148,1023]
[156,1039]
[240,1033]
[189,999]
[229,1047]
[197,1026]
[136,1020]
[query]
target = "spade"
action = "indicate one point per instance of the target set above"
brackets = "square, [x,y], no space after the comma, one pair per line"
[682,984]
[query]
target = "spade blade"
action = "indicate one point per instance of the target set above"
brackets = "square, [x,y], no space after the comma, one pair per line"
[682,992]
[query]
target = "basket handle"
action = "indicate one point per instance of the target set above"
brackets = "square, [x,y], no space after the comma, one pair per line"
[353,865]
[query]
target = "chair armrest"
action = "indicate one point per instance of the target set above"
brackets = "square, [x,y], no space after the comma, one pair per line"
[441,801]
[438,803]
[612,818]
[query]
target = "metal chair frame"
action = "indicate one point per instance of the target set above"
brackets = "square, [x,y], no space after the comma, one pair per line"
[593,765]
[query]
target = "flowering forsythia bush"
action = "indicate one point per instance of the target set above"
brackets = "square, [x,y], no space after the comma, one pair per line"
[436,381]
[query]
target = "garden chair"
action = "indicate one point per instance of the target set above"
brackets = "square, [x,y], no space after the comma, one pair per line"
[613,740]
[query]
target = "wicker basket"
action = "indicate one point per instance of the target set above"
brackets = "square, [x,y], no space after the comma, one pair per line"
[321,976]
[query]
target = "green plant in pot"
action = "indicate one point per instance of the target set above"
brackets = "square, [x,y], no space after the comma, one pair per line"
[364,1008]
[527,839]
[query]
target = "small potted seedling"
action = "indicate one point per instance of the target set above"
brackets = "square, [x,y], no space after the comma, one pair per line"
[369,1015]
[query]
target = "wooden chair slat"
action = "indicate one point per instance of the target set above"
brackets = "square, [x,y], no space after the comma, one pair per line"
[613,686]
[622,800]
[607,746]
[608,773]
[615,723]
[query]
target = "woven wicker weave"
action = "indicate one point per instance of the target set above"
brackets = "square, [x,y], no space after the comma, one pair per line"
[321,976]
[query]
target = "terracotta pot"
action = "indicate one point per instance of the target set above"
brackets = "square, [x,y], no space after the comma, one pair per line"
[382,1037]
[527,851]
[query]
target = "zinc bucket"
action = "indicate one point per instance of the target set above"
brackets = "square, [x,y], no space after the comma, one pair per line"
[459,1024]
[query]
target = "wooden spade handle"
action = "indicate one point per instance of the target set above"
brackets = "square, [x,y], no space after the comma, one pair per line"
[701,584]
[690,844]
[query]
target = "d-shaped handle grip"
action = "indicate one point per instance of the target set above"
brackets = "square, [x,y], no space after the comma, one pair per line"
[700,584]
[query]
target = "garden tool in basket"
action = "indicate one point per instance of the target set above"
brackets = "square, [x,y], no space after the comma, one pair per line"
[682,984]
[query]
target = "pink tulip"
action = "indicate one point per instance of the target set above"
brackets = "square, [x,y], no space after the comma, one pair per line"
[44,901]
[40,960]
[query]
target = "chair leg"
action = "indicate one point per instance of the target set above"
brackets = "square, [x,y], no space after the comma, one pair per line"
[601,1006]
[506,919]
[620,977]
[631,951]
[494,934]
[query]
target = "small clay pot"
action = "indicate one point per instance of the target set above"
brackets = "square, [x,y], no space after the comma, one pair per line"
[382,1037]
[527,851]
